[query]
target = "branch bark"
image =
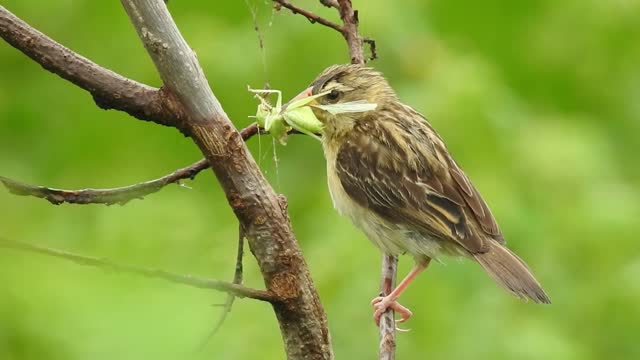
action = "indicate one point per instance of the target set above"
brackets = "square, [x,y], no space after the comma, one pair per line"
[330,3]
[260,211]
[387,348]
[121,195]
[313,18]
[350,19]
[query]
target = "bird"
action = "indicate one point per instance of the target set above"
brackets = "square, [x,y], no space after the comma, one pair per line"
[390,173]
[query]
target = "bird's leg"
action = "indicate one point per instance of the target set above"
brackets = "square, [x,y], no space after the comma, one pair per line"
[382,303]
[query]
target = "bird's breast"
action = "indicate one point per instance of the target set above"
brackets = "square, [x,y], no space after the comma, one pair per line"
[341,200]
[388,237]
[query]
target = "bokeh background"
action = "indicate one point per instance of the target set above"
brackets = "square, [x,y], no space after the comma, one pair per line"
[538,100]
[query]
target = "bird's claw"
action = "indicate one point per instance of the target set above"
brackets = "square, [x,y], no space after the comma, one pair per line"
[382,303]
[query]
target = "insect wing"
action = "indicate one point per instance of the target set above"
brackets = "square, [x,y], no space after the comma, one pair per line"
[348,107]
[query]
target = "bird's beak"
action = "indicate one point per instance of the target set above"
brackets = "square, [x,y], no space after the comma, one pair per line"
[303,95]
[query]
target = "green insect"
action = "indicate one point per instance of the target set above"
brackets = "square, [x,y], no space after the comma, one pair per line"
[298,114]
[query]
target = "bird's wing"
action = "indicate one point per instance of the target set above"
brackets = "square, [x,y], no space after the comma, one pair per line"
[405,175]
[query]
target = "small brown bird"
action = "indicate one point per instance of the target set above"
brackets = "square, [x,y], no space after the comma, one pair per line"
[391,174]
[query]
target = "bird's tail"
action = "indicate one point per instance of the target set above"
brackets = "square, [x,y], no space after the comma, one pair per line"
[510,272]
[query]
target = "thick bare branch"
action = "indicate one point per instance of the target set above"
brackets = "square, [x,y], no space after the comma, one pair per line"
[260,211]
[121,195]
[109,89]
[189,280]
[313,18]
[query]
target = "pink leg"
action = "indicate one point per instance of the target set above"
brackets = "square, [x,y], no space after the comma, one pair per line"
[381,303]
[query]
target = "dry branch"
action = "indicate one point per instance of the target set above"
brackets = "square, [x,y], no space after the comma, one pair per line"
[350,19]
[313,18]
[121,195]
[193,281]
[387,347]
[187,102]
[109,89]
[330,3]
[237,279]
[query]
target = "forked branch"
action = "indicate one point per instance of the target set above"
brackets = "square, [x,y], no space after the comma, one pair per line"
[187,102]
[349,29]
[259,210]
[313,18]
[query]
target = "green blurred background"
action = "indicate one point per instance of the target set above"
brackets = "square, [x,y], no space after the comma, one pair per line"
[539,101]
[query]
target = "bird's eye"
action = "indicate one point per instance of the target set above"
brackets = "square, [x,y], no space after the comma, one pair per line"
[333,95]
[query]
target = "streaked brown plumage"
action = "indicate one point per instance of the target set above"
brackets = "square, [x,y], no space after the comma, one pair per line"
[391,174]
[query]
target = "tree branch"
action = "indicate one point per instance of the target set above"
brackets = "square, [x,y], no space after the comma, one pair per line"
[237,279]
[121,195]
[109,89]
[387,348]
[189,280]
[313,18]
[260,211]
[188,103]
[350,19]
[330,3]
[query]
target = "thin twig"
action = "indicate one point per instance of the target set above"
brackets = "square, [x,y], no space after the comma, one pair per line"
[189,280]
[387,348]
[372,48]
[313,18]
[237,279]
[120,195]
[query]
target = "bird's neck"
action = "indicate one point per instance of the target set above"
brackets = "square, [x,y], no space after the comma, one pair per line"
[337,127]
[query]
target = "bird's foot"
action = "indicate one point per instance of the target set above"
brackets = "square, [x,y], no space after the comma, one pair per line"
[382,303]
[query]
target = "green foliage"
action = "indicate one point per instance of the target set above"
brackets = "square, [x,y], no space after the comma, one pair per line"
[537,100]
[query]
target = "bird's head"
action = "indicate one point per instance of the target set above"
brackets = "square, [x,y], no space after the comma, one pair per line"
[344,84]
